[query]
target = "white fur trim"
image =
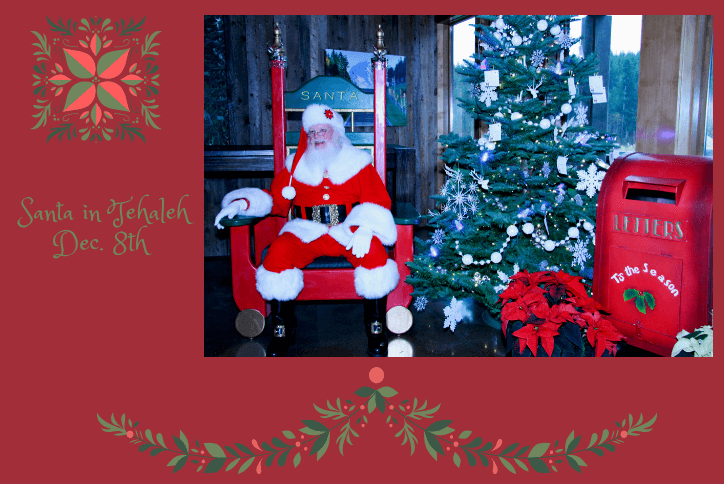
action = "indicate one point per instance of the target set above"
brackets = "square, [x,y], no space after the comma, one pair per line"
[314,114]
[378,282]
[370,215]
[282,286]
[260,202]
[305,230]
[348,163]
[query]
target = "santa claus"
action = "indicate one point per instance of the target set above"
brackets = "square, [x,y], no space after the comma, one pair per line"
[339,207]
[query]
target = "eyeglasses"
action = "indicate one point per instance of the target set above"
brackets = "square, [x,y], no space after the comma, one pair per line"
[320,133]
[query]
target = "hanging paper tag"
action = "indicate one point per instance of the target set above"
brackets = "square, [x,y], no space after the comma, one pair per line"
[599,97]
[596,84]
[492,78]
[561,164]
[571,86]
[490,146]
[494,132]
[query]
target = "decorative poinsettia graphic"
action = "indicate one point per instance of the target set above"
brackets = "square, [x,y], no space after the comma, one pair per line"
[95,94]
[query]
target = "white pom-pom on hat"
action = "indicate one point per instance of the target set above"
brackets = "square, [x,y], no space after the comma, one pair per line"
[289,192]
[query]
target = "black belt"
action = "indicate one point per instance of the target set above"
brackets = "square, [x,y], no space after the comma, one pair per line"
[326,214]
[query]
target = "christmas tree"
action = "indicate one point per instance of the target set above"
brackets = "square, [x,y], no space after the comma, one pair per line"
[523,196]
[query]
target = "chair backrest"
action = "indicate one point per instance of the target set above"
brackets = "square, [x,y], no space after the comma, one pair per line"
[336,92]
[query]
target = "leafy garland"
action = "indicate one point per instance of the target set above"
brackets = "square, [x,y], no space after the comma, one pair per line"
[94,35]
[438,437]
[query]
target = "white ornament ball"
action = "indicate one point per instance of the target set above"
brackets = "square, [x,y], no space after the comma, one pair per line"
[516,40]
[545,124]
[467,259]
[542,25]
[500,23]
[498,35]
[512,230]
[588,226]
[566,108]
[528,228]
[515,116]
[555,30]
[499,114]
[573,233]
[495,257]
[549,245]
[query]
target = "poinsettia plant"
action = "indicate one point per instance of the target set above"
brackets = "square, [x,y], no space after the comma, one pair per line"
[553,311]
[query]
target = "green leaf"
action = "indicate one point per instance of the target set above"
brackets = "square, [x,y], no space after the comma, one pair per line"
[539,466]
[269,460]
[214,465]
[149,436]
[245,465]
[456,459]
[232,464]
[145,446]
[372,404]
[465,434]
[521,451]
[288,434]
[379,402]
[297,459]
[596,451]
[539,449]
[364,392]
[572,462]
[156,451]
[471,458]
[650,300]
[609,447]
[510,448]
[474,443]
[435,443]
[267,447]
[324,447]
[278,442]
[283,457]
[179,464]
[387,392]
[507,464]
[215,450]
[182,444]
[629,294]
[314,425]
[320,442]
[438,425]
[173,461]
[604,436]
[594,439]
[521,464]
[649,423]
[429,448]
[570,447]
[640,304]
[307,430]
[231,451]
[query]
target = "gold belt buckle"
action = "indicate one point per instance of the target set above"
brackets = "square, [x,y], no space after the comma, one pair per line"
[333,214]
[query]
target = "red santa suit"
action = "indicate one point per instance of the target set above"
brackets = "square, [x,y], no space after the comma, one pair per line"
[349,182]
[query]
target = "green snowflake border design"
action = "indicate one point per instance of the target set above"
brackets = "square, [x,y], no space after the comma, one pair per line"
[438,436]
[85,69]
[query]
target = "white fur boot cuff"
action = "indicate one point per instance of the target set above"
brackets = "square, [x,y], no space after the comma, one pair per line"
[378,282]
[282,286]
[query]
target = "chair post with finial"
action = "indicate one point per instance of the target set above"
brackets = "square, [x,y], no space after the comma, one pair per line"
[278,74]
[379,69]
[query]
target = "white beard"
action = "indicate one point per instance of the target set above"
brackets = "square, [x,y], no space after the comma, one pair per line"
[324,157]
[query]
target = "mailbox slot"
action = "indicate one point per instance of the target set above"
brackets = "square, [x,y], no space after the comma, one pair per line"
[650,189]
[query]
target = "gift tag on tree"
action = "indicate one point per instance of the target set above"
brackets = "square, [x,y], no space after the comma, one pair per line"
[599,97]
[596,84]
[571,86]
[492,78]
[494,132]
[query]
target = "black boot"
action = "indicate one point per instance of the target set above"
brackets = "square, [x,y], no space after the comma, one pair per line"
[374,318]
[284,325]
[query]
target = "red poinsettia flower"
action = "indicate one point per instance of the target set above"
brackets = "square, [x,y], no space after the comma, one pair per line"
[601,333]
[530,279]
[515,290]
[529,334]
[328,113]
[561,313]
[522,308]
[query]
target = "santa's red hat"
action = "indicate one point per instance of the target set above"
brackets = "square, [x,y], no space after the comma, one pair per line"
[314,114]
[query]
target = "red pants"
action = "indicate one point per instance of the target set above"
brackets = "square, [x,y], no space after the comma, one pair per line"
[287,252]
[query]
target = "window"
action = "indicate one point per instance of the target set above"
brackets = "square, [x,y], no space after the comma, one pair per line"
[709,139]
[462,47]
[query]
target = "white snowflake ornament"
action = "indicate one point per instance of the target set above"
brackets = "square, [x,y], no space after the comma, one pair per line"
[580,254]
[590,180]
[537,59]
[581,115]
[453,314]
[488,94]
[420,303]
[546,169]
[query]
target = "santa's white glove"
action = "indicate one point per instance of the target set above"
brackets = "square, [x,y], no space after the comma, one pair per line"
[360,243]
[231,211]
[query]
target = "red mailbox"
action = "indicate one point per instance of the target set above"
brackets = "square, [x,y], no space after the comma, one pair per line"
[653,268]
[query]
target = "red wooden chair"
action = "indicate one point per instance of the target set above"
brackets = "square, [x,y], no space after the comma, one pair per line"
[326,278]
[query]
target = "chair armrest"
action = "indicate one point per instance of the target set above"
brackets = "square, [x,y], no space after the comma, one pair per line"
[240,220]
[405,214]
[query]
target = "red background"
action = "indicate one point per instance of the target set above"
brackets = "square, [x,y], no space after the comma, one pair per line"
[98,333]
